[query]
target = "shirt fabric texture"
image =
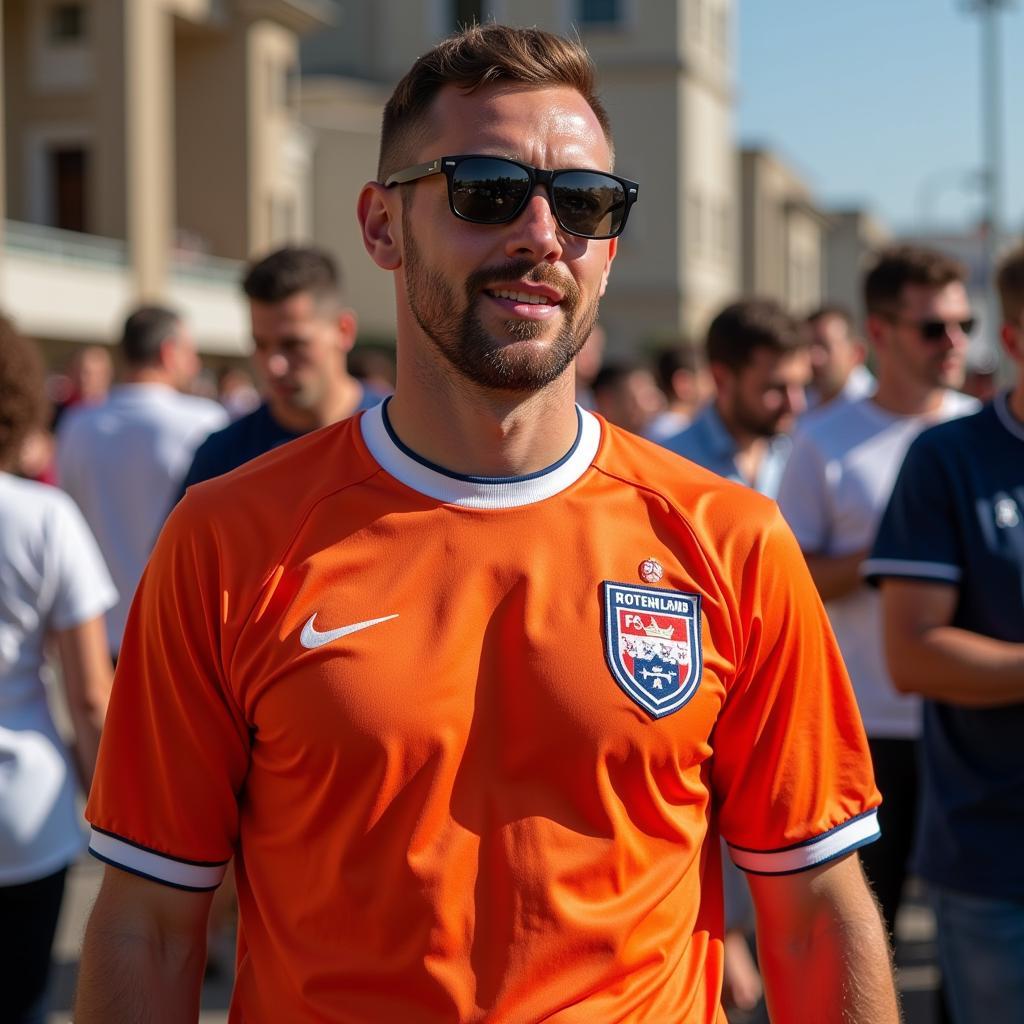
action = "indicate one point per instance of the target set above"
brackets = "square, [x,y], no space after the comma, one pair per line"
[393,689]
[707,442]
[957,517]
[834,490]
[52,577]
[122,462]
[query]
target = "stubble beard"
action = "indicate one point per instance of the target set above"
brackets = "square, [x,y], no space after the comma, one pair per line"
[459,335]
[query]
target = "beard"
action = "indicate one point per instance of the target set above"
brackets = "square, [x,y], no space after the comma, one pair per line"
[760,424]
[459,335]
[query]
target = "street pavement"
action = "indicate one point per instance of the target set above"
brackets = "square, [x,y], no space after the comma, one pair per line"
[915,956]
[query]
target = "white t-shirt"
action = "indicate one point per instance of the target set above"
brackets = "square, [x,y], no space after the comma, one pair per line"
[51,578]
[840,475]
[123,463]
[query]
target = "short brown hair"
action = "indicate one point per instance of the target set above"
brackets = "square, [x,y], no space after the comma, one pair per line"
[291,270]
[22,398]
[478,56]
[904,265]
[1010,282]
[745,326]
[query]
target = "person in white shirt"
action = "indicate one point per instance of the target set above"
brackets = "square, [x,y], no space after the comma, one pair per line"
[122,461]
[53,586]
[835,488]
[838,373]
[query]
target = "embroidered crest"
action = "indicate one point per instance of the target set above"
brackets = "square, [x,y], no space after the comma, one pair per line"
[652,644]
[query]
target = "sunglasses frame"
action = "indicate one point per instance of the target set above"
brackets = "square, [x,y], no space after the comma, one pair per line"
[967,326]
[447,165]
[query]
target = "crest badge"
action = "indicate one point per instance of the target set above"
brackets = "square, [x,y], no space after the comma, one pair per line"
[652,644]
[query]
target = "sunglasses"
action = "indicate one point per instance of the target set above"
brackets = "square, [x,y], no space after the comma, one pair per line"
[936,330]
[493,190]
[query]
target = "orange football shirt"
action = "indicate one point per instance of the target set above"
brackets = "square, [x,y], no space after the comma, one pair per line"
[473,741]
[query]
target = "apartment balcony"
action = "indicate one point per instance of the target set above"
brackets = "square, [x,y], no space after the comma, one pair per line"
[65,285]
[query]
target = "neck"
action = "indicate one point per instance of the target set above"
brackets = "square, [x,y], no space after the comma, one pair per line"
[474,431]
[1016,400]
[148,375]
[338,405]
[906,398]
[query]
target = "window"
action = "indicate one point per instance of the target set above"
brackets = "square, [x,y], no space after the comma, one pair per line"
[67,23]
[69,169]
[600,12]
[467,12]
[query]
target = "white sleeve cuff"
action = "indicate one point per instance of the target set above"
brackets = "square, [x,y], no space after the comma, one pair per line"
[159,867]
[905,567]
[842,839]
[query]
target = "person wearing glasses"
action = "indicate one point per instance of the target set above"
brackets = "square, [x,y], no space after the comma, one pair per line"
[949,558]
[472,682]
[835,487]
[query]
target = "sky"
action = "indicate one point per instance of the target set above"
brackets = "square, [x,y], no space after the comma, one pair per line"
[877,103]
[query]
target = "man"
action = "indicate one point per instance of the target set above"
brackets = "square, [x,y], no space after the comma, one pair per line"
[446,674]
[301,336]
[626,394]
[684,381]
[759,363]
[838,373]
[123,459]
[950,558]
[844,462]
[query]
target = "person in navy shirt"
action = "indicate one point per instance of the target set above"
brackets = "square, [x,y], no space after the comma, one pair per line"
[949,557]
[302,334]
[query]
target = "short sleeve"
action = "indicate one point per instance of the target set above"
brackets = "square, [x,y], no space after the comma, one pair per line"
[83,587]
[791,769]
[917,537]
[803,495]
[175,746]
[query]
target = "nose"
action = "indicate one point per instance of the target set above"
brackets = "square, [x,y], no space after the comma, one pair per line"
[534,233]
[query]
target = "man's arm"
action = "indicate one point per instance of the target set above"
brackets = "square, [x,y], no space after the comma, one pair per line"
[144,953]
[823,951]
[927,655]
[837,575]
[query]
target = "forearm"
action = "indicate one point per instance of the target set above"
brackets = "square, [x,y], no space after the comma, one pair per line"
[953,665]
[836,576]
[134,976]
[836,971]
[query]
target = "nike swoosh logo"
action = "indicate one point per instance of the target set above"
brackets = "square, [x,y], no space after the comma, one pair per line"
[312,638]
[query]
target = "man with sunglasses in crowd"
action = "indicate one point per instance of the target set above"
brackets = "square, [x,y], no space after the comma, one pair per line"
[949,557]
[835,487]
[472,682]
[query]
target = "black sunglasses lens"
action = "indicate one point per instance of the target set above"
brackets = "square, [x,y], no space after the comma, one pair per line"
[967,326]
[935,330]
[489,190]
[589,204]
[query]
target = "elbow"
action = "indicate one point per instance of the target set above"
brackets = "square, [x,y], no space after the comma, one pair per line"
[904,666]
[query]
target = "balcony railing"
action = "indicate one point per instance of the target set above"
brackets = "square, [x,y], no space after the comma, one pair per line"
[65,246]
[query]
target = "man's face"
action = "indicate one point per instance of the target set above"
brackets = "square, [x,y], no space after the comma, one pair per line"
[834,352]
[464,283]
[766,396]
[184,358]
[903,345]
[300,348]
[631,403]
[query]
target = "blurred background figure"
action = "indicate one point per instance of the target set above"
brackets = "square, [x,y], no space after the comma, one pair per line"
[588,362]
[122,460]
[53,585]
[682,375]
[236,392]
[838,373]
[760,366]
[626,394]
[980,376]
[86,381]
[844,464]
[374,366]
[302,333]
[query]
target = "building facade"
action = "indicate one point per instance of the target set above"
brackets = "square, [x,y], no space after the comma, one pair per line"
[149,145]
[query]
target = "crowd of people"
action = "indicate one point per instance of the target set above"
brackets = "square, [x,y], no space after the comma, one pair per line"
[490,809]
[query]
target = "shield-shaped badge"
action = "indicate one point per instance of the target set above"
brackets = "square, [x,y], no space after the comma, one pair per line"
[652,644]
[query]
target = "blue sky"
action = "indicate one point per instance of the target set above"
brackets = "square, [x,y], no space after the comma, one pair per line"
[877,103]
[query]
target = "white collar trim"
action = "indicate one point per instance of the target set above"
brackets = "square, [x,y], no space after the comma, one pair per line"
[1008,420]
[478,492]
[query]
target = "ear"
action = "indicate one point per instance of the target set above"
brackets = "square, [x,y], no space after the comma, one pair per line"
[874,327]
[1012,338]
[721,375]
[613,248]
[377,209]
[346,324]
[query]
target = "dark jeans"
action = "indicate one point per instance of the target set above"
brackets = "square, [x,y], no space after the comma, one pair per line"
[28,921]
